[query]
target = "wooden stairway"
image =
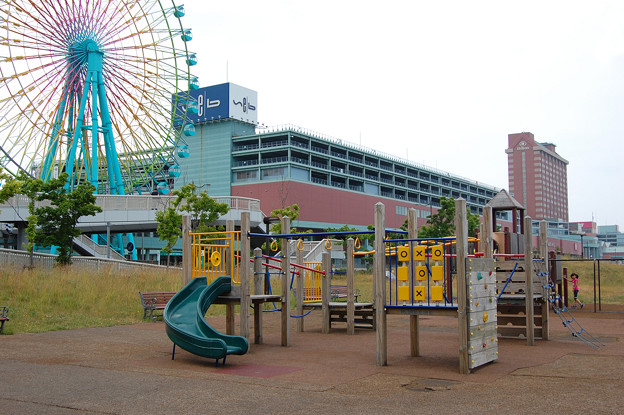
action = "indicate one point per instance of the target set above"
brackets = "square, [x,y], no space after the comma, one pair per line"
[364,316]
[511,288]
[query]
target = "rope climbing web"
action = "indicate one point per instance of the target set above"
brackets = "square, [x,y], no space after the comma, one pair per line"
[568,320]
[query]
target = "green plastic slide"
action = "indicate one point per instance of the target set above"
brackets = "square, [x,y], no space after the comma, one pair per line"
[187,328]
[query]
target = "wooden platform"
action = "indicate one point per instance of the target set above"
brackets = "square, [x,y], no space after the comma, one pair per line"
[336,304]
[423,310]
[233,298]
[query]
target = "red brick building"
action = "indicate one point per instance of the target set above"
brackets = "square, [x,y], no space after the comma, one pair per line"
[538,177]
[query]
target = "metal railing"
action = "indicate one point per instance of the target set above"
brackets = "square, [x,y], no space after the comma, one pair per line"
[139,202]
[20,259]
[312,282]
[100,250]
[213,254]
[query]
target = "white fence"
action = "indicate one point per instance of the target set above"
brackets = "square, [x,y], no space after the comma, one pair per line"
[20,259]
[136,202]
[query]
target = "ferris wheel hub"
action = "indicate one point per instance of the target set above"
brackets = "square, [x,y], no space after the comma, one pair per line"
[78,52]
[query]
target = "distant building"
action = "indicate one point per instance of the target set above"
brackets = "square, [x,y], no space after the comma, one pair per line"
[334,182]
[538,177]
[611,235]
[613,241]
[588,233]
[586,228]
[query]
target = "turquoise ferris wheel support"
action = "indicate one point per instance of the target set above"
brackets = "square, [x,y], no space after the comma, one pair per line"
[94,83]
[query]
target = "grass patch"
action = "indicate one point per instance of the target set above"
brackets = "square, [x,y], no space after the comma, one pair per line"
[611,281]
[68,297]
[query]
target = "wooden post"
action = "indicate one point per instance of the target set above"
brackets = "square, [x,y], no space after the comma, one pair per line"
[350,287]
[564,280]
[258,290]
[258,272]
[543,239]
[230,227]
[229,307]
[187,251]
[379,265]
[461,234]
[300,292]
[245,278]
[285,282]
[414,319]
[326,292]
[528,271]
[487,236]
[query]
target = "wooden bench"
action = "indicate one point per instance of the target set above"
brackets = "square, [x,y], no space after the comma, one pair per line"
[340,291]
[3,317]
[154,301]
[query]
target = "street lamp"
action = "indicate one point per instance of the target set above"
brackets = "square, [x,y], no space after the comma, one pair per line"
[581,234]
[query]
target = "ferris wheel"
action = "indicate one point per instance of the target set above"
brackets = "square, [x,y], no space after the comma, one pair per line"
[95,88]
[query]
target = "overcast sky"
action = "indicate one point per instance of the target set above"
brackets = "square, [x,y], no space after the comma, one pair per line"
[440,83]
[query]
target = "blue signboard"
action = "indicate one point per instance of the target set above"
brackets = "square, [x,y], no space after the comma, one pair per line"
[223,101]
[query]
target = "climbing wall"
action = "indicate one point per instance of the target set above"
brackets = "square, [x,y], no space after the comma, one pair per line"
[481,313]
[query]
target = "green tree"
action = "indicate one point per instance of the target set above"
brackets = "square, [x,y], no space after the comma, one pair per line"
[169,229]
[441,224]
[344,237]
[55,224]
[291,212]
[344,228]
[9,186]
[203,210]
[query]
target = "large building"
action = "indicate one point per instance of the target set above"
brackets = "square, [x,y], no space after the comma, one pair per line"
[538,177]
[610,234]
[333,182]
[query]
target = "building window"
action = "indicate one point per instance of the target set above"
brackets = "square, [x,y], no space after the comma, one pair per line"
[401,210]
[245,176]
[277,172]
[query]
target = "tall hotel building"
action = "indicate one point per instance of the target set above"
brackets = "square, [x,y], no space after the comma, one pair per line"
[333,182]
[538,177]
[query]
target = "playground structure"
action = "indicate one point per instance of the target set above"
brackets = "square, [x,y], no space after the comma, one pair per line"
[523,272]
[423,289]
[411,276]
[223,253]
[186,326]
[515,272]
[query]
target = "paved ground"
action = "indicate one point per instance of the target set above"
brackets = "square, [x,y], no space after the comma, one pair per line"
[128,369]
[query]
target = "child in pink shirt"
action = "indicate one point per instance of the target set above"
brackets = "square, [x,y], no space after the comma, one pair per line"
[575,287]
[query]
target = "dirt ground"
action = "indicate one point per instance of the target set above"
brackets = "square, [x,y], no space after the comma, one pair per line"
[128,370]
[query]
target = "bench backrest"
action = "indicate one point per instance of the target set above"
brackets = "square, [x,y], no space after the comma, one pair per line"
[156,298]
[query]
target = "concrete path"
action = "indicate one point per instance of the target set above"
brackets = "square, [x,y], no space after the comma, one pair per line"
[128,370]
